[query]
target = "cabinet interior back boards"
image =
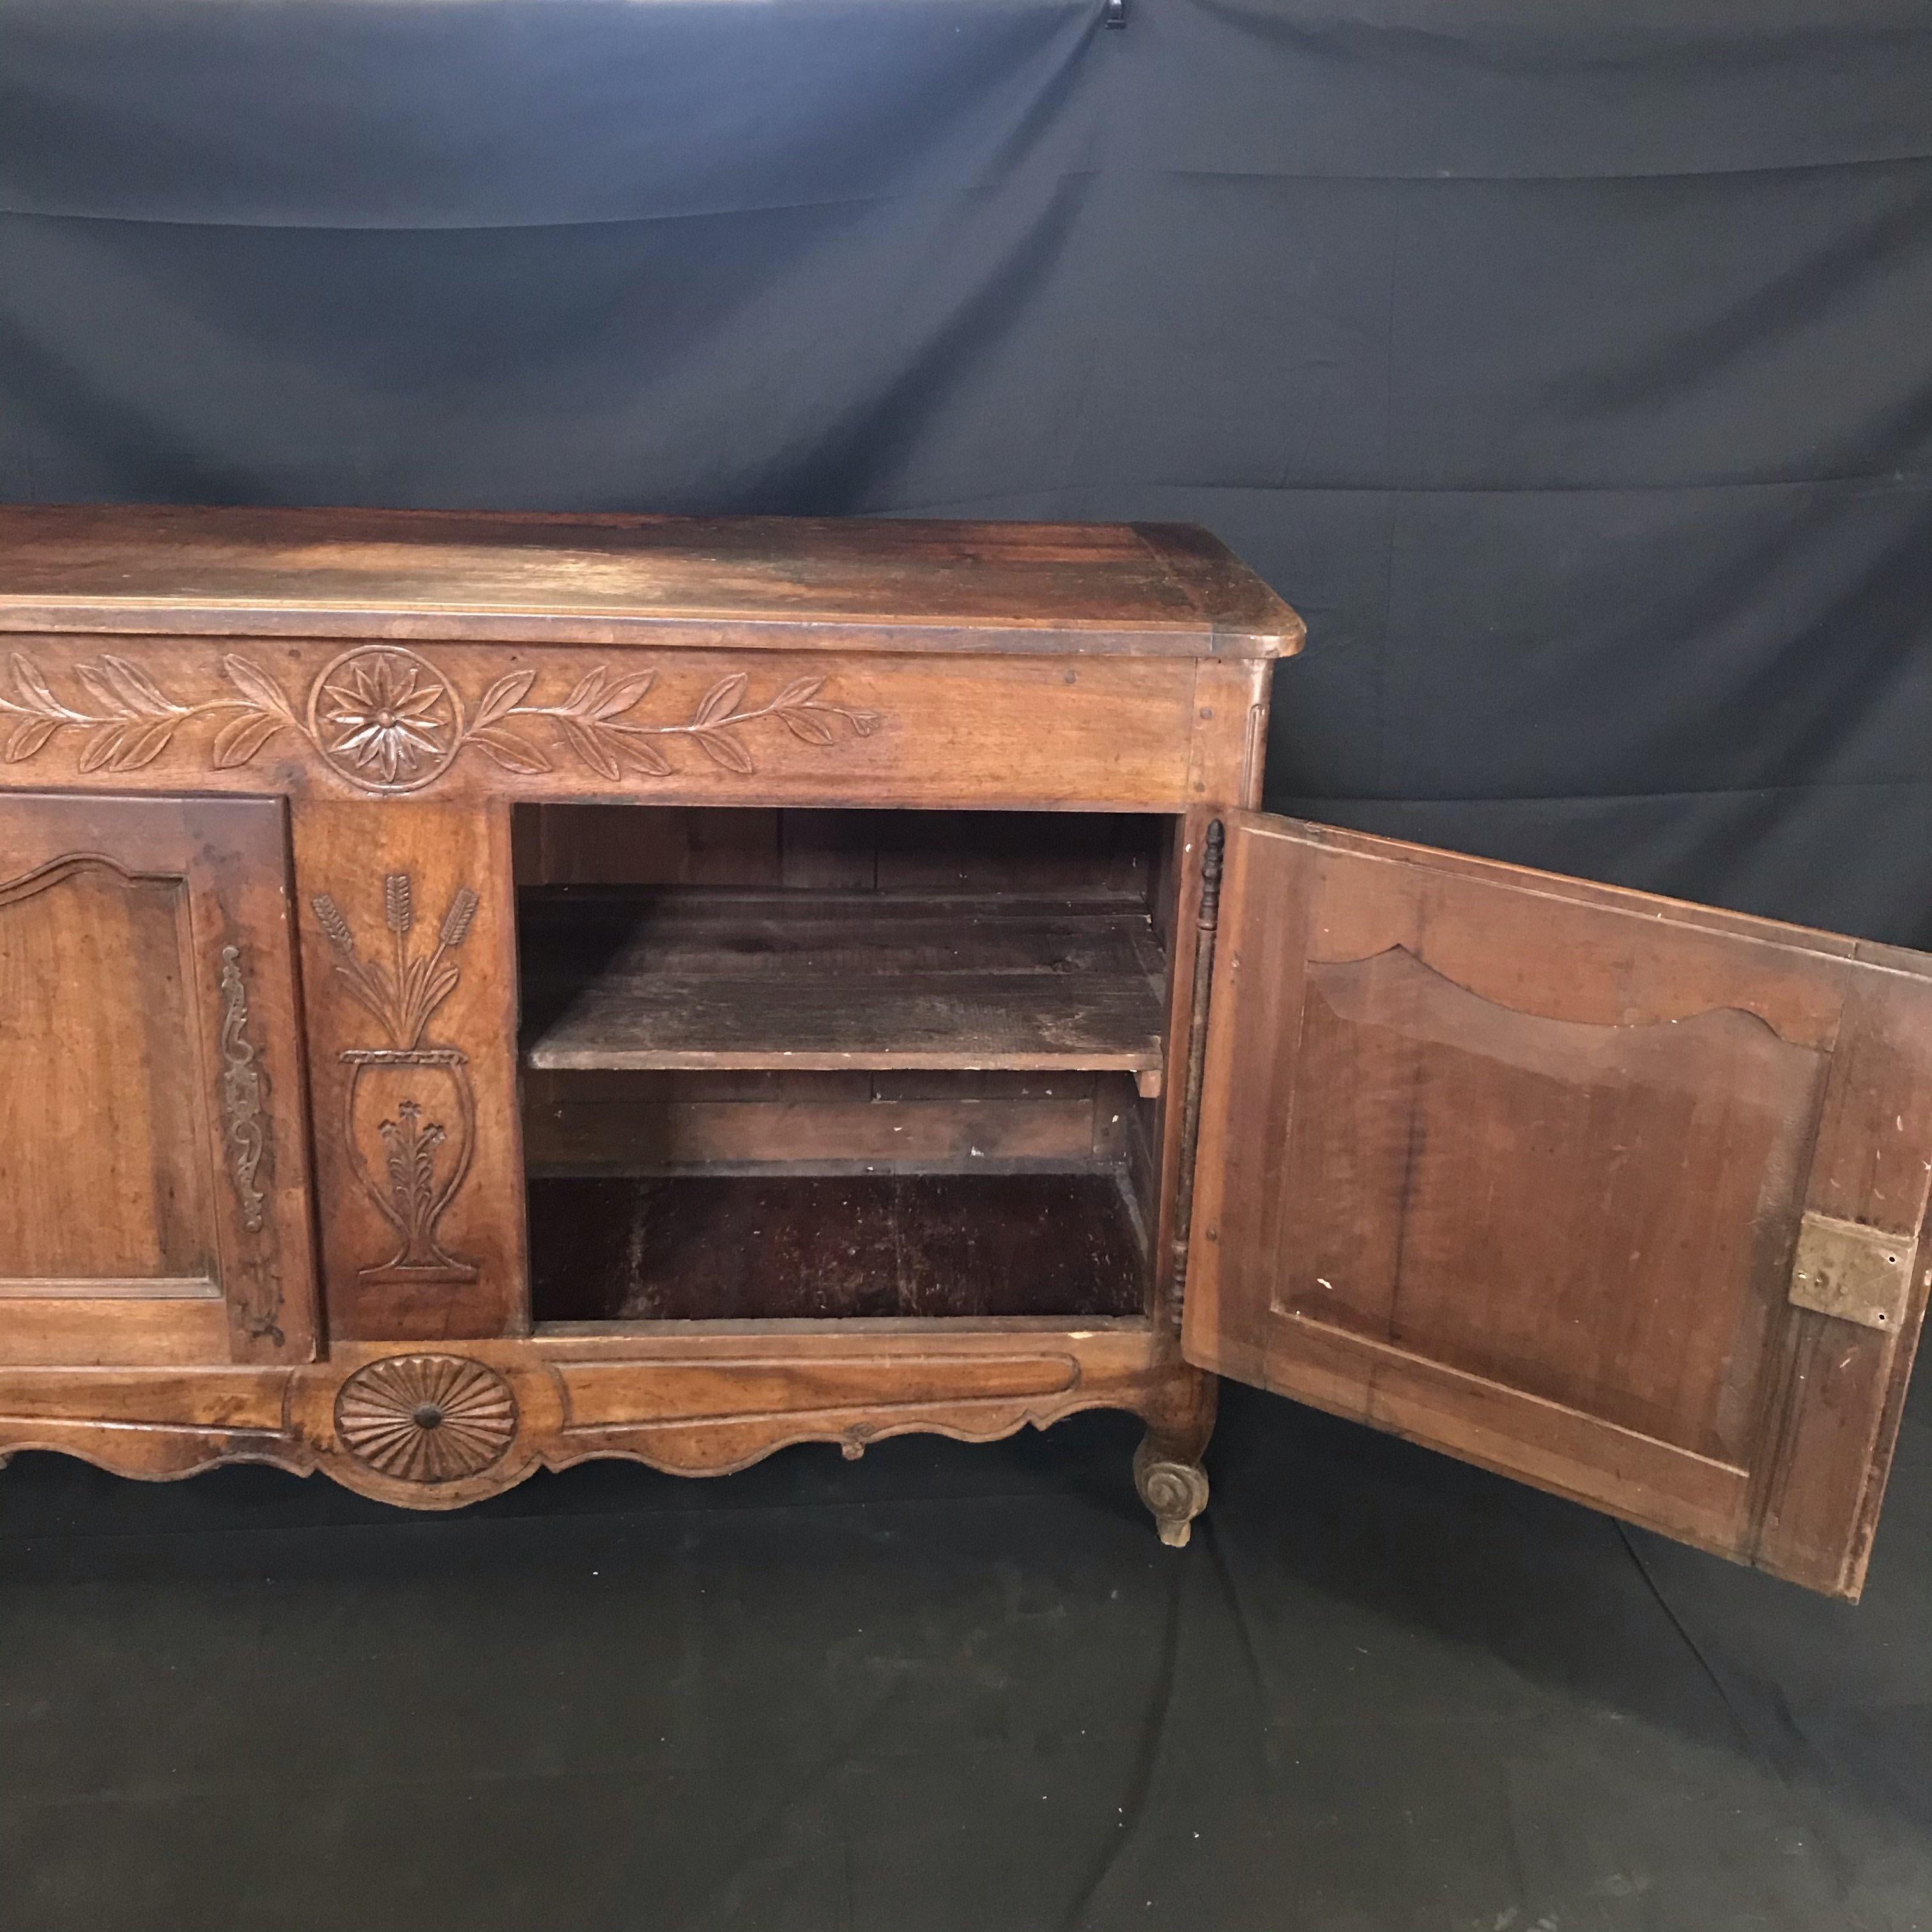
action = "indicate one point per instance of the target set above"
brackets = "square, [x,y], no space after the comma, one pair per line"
[478,992]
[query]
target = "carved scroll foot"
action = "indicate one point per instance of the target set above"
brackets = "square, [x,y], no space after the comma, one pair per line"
[1175,1492]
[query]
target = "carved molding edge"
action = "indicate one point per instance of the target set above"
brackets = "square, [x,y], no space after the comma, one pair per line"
[724,1447]
[57,872]
[386,720]
[167,1452]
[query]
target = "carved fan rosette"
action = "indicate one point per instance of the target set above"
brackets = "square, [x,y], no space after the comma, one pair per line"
[426,1418]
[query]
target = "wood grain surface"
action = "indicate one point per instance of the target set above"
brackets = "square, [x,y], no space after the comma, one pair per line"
[153,1126]
[655,979]
[763,1247]
[1515,1168]
[859,582]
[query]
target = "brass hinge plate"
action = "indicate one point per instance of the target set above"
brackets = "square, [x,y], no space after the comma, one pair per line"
[1857,1273]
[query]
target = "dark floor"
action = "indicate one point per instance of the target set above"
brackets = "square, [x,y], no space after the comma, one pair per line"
[952,1687]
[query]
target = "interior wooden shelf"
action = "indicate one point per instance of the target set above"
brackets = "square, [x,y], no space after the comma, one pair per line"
[667,978]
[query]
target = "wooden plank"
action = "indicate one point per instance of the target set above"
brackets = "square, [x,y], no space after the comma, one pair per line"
[600,1121]
[544,1090]
[1016,1084]
[1833,1418]
[828,849]
[1054,854]
[1558,891]
[779,934]
[605,844]
[1231,713]
[158,1398]
[80,1331]
[815,1136]
[1699,1499]
[861,583]
[107,1288]
[1049,853]
[798,981]
[674,1395]
[964,1021]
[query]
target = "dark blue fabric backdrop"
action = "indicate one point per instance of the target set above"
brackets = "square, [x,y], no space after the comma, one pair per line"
[1568,364]
[1569,367]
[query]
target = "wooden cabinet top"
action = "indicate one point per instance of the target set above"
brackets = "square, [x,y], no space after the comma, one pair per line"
[1165,590]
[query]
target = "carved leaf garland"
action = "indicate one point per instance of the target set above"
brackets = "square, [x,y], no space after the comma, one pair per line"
[594,725]
[506,694]
[129,721]
[390,722]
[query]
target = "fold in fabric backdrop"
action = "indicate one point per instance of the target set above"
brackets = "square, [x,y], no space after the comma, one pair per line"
[1569,368]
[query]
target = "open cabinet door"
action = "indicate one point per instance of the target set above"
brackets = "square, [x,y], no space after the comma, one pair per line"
[1616,1195]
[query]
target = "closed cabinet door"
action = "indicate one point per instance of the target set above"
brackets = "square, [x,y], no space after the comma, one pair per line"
[153,1158]
[1616,1195]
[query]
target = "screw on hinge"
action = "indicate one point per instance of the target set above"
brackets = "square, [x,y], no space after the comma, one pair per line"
[1115,14]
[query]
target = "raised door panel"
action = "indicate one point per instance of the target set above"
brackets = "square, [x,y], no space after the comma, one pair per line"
[153,1198]
[1518,1167]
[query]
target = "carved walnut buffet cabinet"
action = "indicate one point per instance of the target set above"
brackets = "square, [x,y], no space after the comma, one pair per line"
[479,992]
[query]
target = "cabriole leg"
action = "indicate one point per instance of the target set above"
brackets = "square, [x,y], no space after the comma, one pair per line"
[1167,1466]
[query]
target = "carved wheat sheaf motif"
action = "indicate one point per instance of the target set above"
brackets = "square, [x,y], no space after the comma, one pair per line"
[387,720]
[402,993]
[423,1163]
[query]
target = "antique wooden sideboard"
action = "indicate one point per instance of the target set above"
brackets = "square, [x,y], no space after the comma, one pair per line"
[480,992]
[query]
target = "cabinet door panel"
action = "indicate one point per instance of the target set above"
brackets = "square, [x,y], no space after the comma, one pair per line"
[1518,1166]
[92,1003]
[153,1159]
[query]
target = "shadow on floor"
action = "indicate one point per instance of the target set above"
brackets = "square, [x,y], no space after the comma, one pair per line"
[948,1686]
